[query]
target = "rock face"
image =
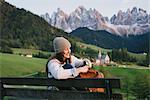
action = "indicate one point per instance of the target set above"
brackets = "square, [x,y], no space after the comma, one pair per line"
[136,21]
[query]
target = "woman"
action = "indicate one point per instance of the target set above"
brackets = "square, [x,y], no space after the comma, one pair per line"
[63,65]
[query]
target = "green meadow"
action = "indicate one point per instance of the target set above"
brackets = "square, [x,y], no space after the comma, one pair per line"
[133,81]
[121,72]
[15,65]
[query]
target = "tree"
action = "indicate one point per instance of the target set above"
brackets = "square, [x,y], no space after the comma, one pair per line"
[122,55]
[147,59]
[6,49]
[140,88]
[91,53]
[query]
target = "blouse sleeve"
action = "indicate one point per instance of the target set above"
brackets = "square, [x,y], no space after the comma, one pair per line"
[58,72]
[78,62]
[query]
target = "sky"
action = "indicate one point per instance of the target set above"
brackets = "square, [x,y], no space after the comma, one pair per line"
[105,7]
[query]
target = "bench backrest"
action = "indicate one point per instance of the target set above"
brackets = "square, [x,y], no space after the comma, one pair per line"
[107,83]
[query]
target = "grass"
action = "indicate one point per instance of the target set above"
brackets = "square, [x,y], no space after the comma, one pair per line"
[14,65]
[94,47]
[122,72]
[127,76]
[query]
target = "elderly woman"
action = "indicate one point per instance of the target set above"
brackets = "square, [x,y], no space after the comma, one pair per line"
[63,65]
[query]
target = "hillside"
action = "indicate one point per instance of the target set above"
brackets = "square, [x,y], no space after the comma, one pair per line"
[104,39]
[22,29]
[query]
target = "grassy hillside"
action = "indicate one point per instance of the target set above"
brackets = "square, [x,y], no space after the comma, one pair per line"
[94,47]
[130,78]
[15,65]
[122,72]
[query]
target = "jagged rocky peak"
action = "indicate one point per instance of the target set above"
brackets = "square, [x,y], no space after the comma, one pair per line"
[106,19]
[134,10]
[142,10]
[149,18]
[133,16]
[128,11]
[134,21]
[80,10]
[61,13]
[59,19]
[113,18]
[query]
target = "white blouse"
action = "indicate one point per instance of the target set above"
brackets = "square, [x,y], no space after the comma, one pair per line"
[56,70]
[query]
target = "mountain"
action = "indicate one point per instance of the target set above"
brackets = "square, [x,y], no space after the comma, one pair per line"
[124,23]
[134,21]
[81,17]
[23,29]
[101,38]
[135,16]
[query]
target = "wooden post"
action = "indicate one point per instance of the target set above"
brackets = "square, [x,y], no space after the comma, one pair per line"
[108,89]
[1,90]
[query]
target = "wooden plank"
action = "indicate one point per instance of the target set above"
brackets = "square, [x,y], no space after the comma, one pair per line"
[78,82]
[58,95]
[1,91]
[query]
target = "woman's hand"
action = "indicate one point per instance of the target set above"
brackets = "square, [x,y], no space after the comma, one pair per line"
[88,62]
[83,69]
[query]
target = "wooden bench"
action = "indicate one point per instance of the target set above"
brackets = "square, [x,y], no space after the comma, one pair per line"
[37,88]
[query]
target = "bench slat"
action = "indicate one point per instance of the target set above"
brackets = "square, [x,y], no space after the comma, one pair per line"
[77,82]
[58,95]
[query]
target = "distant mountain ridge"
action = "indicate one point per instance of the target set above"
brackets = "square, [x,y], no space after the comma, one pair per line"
[104,39]
[124,23]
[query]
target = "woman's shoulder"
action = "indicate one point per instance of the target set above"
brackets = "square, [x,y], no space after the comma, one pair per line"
[54,61]
[72,56]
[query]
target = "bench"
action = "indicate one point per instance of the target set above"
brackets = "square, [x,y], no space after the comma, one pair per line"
[36,88]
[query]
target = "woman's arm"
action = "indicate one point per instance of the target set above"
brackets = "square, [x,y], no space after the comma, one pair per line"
[77,62]
[81,62]
[58,72]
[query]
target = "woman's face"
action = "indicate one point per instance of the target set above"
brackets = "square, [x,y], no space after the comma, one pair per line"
[67,52]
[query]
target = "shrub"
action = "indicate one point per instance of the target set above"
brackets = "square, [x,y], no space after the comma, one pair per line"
[140,87]
[6,49]
[41,55]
